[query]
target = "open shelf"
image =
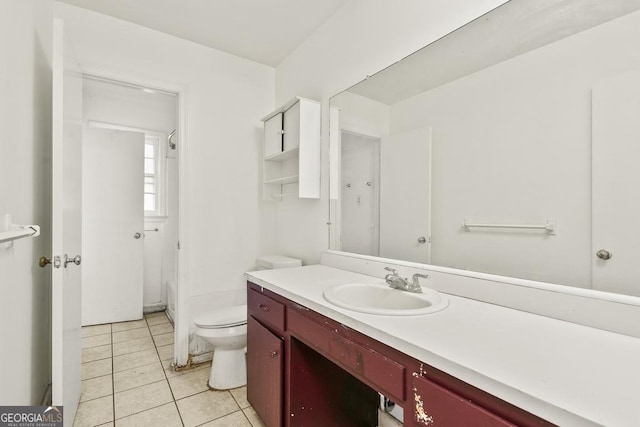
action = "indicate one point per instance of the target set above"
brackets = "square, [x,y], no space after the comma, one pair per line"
[285,155]
[284,180]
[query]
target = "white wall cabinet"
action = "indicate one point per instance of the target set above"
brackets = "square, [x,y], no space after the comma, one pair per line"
[291,161]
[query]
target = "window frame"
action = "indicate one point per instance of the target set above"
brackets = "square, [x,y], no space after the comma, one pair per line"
[160,173]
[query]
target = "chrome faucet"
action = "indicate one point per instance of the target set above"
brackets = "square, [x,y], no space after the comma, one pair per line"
[395,281]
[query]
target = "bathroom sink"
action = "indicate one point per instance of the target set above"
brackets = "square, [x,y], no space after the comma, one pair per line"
[379,298]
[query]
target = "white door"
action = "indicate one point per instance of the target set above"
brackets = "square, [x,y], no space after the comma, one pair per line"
[66,226]
[616,182]
[405,215]
[112,225]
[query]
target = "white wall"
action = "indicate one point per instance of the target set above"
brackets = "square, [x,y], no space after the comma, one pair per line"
[362,115]
[126,106]
[25,169]
[520,158]
[225,98]
[360,39]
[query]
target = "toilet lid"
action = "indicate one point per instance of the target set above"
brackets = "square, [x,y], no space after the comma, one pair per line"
[223,317]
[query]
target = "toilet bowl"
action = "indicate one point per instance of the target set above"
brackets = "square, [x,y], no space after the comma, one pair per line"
[226,330]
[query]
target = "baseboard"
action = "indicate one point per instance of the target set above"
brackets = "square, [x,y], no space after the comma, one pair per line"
[154,308]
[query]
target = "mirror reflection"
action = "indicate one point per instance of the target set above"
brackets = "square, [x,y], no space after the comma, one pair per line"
[509,146]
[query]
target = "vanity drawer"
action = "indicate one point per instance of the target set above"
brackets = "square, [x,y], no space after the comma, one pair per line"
[382,373]
[434,404]
[265,309]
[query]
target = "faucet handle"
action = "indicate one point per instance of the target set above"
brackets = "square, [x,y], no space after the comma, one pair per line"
[393,271]
[424,276]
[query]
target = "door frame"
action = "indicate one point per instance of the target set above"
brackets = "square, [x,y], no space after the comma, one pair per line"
[181,334]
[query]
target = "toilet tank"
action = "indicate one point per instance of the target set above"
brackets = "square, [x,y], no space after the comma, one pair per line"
[268,262]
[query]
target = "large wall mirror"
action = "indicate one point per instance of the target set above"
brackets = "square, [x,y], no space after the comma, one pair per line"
[511,146]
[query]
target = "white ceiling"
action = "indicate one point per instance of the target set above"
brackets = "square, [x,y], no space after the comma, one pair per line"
[260,30]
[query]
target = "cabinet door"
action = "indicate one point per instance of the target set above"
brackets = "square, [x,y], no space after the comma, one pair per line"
[264,373]
[273,135]
[292,127]
[434,405]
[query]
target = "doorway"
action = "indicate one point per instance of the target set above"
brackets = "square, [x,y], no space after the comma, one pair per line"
[130,200]
[360,193]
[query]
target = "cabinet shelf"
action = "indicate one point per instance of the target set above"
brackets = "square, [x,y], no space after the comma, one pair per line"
[285,155]
[291,150]
[284,180]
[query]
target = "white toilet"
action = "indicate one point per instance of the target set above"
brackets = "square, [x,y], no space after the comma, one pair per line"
[226,330]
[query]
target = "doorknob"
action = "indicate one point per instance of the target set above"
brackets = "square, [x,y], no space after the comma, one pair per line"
[43,261]
[604,254]
[137,236]
[422,239]
[76,260]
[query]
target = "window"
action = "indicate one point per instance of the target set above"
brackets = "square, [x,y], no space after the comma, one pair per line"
[151,175]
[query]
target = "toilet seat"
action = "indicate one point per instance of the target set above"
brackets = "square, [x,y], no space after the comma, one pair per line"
[224,317]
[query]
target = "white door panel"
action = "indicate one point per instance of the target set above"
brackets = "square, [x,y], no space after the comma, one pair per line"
[113,226]
[616,180]
[291,127]
[405,215]
[66,226]
[273,135]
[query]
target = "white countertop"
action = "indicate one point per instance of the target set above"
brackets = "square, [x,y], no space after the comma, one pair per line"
[568,374]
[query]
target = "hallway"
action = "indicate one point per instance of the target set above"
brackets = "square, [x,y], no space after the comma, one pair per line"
[127,377]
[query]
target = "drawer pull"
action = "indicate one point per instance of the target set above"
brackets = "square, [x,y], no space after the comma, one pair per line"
[274,353]
[264,307]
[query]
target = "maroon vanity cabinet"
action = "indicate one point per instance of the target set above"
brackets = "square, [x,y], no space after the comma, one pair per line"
[433,402]
[304,369]
[265,357]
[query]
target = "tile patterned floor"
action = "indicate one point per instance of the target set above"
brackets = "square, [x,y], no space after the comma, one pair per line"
[127,380]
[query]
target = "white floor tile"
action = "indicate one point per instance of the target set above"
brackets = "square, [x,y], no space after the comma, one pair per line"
[237,419]
[205,407]
[138,364]
[142,398]
[132,346]
[94,412]
[96,368]
[163,328]
[89,331]
[132,334]
[136,377]
[163,339]
[96,340]
[164,416]
[133,360]
[189,383]
[96,387]
[240,396]
[126,326]
[96,353]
